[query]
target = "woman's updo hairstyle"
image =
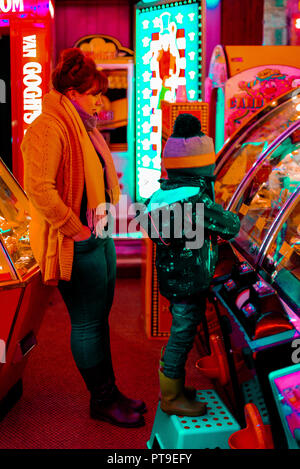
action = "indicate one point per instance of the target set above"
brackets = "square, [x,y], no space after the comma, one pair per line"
[77,71]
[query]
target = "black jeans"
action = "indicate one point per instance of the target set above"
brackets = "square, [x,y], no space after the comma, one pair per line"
[186,316]
[88,297]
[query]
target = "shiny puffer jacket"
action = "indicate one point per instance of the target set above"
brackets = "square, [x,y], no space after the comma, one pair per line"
[181,270]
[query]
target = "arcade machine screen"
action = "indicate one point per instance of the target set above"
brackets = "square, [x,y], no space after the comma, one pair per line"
[5,102]
[241,158]
[276,178]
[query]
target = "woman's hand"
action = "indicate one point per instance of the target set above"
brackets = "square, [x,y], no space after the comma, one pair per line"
[84,234]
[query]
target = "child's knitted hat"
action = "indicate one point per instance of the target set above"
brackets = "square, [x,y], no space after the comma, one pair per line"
[188,148]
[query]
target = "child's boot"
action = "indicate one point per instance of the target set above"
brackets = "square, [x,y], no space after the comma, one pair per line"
[189,391]
[174,401]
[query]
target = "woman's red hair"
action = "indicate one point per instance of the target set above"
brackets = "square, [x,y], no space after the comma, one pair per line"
[78,72]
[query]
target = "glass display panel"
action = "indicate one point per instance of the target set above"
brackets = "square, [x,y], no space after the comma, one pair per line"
[254,142]
[282,259]
[265,193]
[14,223]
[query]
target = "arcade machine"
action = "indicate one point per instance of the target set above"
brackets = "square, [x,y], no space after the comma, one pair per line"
[170,57]
[245,146]
[242,79]
[23,297]
[26,29]
[258,302]
[26,32]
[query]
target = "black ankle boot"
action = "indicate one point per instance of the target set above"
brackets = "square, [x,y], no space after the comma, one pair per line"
[107,402]
[106,405]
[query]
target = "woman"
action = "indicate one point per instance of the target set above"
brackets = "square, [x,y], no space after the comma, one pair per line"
[68,174]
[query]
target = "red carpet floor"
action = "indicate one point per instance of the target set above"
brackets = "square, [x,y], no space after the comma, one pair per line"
[53,410]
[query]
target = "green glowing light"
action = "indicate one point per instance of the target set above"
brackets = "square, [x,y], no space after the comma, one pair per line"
[220,113]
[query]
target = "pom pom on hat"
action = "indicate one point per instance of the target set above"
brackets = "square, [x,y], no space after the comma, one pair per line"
[186,126]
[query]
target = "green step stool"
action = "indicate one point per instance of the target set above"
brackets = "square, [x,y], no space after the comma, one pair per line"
[212,430]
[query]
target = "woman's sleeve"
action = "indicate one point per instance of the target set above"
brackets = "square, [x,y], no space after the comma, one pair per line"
[42,151]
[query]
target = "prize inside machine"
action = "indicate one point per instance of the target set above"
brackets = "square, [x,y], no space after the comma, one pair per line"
[169,47]
[23,297]
[257,296]
[116,124]
[242,79]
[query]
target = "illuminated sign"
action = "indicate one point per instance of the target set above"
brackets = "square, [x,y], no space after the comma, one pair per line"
[10,9]
[32,95]
[246,102]
[250,90]
[7,6]
[103,48]
[168,64]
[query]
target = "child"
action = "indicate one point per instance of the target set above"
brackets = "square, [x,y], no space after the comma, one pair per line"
[184,273]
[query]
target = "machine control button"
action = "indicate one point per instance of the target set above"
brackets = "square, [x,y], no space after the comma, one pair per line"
[249,310]
[230,285]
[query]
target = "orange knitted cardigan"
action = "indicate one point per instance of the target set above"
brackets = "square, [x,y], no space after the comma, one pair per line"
[54,181]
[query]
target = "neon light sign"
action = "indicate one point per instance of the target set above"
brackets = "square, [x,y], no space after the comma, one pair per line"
[10,9]
[12,6]
[168,63]
[32,95]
